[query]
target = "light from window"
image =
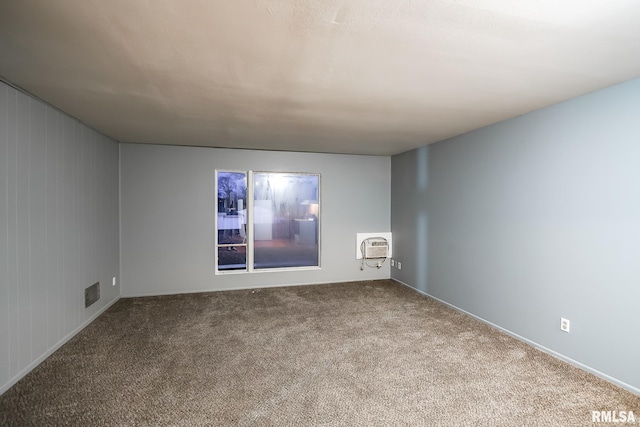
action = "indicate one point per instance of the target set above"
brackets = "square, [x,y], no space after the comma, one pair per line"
[284,233]
[285,220]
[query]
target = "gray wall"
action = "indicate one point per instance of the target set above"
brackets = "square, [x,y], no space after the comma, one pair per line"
[58,229]
[168,200]
[534,219]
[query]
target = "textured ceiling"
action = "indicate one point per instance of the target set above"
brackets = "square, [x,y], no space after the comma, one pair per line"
[358,76]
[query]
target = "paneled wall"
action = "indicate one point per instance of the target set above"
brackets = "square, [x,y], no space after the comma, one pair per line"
[59,229]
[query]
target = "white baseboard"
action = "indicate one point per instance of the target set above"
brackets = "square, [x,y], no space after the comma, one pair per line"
[243,288]
[540,347]
[55,347]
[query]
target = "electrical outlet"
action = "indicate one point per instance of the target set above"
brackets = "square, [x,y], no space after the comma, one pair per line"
[113,281]
[393,262]
[565,324]
[399,265]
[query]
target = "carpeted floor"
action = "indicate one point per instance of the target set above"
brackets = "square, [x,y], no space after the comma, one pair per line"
[350,354]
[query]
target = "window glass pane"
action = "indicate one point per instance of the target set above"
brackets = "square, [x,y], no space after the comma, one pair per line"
[285,213]
[231,221]
[232,258]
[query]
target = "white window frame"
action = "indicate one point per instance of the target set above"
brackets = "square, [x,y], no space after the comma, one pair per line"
[250,225]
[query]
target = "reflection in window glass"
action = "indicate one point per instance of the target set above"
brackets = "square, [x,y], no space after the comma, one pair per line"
[232,258]
[232,220]
[285,220]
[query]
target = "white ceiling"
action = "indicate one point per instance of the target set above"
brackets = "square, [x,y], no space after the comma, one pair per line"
[360,76]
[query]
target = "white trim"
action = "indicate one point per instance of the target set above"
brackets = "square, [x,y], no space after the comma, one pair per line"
[250,242]
[55,347]
[281,269]
[268,270]
[540,347]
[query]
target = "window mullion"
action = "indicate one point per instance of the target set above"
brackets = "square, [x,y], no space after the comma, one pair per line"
[250,221]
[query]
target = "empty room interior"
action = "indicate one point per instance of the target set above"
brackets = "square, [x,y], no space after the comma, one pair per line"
[305,213]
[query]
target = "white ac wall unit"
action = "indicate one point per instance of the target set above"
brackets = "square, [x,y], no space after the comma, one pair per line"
[375,247]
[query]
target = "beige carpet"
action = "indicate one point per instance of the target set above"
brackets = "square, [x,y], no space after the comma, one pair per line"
[350,354]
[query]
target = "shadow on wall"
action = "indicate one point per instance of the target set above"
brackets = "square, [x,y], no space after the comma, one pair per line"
[421,260]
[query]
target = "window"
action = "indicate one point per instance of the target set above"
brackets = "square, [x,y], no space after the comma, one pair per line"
[272,223]
[285,220]
[232,220]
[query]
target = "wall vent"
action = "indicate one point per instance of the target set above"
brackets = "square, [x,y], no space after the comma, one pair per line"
[91,294]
